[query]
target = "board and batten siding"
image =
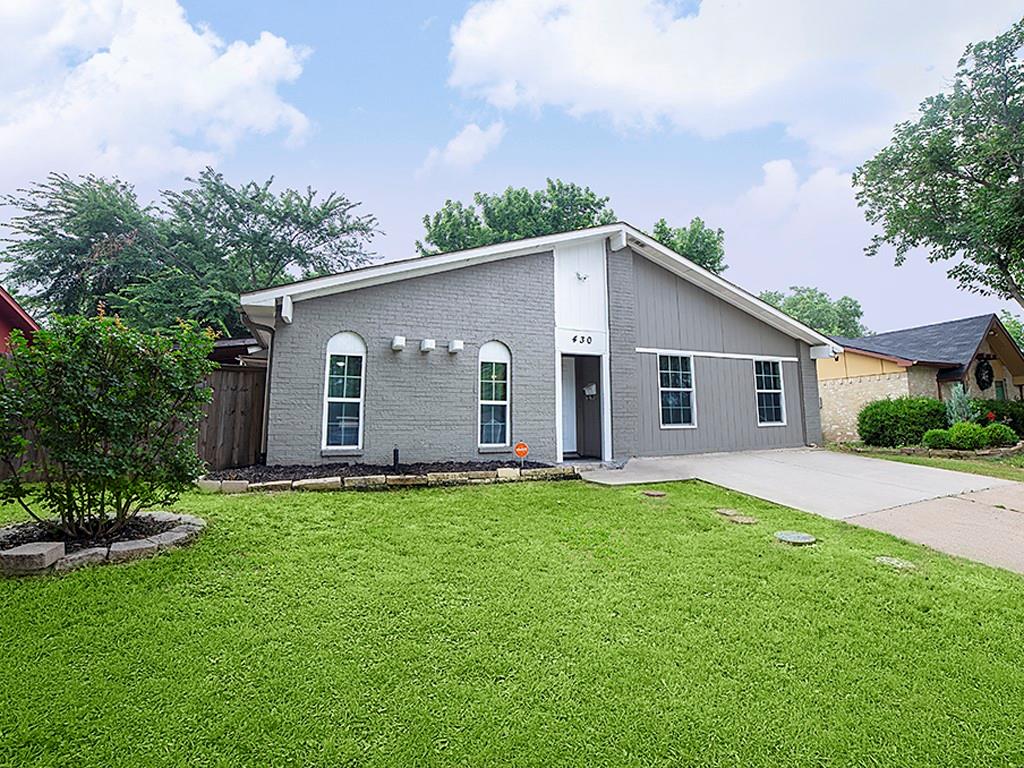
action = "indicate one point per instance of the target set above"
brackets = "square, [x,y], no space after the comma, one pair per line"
[671,313]
[423,403]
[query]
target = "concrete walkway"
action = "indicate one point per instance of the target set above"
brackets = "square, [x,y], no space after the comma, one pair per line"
[981,518]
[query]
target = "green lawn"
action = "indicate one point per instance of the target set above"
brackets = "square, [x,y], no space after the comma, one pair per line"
[1005,467]
[530,624]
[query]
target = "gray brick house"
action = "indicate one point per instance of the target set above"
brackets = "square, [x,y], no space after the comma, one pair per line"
[599,343]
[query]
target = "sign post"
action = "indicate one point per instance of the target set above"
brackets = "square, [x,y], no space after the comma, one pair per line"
[522,450]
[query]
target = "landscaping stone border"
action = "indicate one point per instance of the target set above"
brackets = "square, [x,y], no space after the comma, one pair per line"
[390,482]
[943,453]
[50,556]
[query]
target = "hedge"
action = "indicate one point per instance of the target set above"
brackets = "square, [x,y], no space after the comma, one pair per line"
[1008,412]
[900,421]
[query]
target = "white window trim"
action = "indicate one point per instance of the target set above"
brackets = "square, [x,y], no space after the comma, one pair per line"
[350,351]
[506,358]
[692,389]
[781,390]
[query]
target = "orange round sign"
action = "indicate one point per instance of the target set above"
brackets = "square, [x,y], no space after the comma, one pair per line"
[521,449]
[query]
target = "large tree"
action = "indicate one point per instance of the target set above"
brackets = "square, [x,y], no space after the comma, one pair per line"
[815,308]
[81,242]
[952,181]
[512,215]
[697,242]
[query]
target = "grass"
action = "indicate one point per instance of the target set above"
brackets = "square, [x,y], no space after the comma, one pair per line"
[1005,467]
[534,624]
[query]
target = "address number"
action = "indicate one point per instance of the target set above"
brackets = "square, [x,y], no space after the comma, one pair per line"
[582,339]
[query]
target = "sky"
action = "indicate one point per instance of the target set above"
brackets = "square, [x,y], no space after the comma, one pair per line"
[751,115]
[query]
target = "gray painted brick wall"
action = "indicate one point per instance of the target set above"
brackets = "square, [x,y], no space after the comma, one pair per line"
[624,363]
[424,403]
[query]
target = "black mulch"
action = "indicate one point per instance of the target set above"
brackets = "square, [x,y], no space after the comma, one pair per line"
[26,533]
[259,473]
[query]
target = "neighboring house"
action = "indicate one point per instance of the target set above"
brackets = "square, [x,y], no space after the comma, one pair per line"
[599,343]
[13,316]
[929,360]
[244,350]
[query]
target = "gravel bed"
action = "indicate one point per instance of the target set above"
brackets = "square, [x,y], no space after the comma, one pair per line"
[259,473]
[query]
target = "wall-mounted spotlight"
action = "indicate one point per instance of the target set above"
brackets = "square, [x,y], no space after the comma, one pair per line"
[398,343]
[428,345]
[454,346]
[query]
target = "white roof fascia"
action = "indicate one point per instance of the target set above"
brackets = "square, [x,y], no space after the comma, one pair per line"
[723,289]
[257,303]
[418,267]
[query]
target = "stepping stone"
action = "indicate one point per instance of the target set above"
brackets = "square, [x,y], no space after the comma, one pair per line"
[726,512]
[742,519]
[795,538]
[655,494]
[895,562]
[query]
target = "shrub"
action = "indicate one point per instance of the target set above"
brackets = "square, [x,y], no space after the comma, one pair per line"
[1008,412]
[967,436]
[999,435]
[111,415]
[959,407]
[936,438]
[900,421]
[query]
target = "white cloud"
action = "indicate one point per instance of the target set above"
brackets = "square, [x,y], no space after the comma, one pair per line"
[130,87]
[793,230]
[837,75]
[467,148]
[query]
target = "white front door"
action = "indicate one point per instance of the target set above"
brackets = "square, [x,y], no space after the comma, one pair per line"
[568,404]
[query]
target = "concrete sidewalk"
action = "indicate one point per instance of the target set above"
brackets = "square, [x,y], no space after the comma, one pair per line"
[834,485]
[980,518]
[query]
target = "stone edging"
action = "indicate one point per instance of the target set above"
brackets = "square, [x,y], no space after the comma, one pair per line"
[386,482]
[49,556]
[945,453]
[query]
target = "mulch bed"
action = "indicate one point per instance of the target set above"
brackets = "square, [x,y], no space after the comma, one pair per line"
[259,473]
[27,533]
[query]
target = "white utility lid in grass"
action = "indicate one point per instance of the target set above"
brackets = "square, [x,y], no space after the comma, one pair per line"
[742,519]
[796,538]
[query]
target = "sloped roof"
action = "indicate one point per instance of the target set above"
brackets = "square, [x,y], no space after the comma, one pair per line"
[16,314]
[951,344]
[259,306]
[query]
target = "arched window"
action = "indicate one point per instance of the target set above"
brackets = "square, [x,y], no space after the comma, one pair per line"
[495,394]
[343,391]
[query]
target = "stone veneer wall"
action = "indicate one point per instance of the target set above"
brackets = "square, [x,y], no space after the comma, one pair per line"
[922,382]
[842,400]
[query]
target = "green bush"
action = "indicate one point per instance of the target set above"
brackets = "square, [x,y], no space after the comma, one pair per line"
[960,407]
[936,438]
[1008,412]
[999,435]
[967,436]
[105,416]
[900,421]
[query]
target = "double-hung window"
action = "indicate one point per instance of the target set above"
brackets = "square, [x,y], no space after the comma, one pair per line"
[675,391]
[495,394]
[343,392]
[771,399]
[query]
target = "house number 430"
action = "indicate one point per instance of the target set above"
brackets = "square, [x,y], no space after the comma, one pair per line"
[582,339]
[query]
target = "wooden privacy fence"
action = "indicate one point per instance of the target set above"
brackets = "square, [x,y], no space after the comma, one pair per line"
[231,433]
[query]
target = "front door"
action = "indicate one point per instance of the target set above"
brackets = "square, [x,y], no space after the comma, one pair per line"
[568,404]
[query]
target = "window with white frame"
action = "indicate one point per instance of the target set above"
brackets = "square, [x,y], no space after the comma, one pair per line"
[675,391]
[494,394]
[343,391]
[771,400]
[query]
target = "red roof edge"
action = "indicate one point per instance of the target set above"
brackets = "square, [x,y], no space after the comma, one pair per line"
[23,318]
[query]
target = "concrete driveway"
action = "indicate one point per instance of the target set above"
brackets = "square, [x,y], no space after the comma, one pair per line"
[977,517]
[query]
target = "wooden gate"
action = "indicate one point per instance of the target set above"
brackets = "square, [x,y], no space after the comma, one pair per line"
[231,433]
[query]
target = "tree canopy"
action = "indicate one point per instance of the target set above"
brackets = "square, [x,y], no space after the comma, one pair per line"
[815,308]
[697,242]
[952,181]
[79,243]
[513,215]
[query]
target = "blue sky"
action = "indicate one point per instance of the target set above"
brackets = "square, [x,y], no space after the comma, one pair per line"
[750,115]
